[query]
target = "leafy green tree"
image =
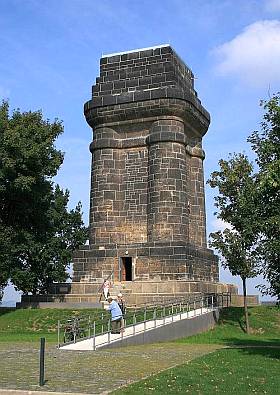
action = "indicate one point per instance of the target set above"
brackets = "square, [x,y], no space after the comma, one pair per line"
[39,232]
[236,205]
[5,248]
[266,145]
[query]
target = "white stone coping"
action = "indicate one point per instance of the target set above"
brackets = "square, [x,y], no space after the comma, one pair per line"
[135,50]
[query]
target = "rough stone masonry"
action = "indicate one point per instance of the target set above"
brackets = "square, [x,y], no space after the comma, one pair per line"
[147,203]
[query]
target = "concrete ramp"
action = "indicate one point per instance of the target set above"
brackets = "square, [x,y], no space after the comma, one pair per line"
[156,330]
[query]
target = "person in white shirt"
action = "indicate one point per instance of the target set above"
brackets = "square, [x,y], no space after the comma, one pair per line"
[105,289]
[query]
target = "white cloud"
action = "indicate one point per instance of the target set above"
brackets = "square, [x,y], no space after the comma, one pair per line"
[253,55]
[272,5]
[219,224]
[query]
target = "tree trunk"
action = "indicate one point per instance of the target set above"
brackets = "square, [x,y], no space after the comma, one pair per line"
[245,305]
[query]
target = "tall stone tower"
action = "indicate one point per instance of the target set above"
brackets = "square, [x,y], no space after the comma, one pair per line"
[147,209]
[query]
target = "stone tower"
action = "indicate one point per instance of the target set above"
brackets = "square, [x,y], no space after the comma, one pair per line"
[147,209]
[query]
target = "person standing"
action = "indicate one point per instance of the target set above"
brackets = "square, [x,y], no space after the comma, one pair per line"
[121,303]
[116,315]
[105,289]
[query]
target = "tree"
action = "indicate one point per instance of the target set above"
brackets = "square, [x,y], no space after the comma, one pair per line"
[236,204]
[5,263]
[266,145]
[44,260]
[39,233]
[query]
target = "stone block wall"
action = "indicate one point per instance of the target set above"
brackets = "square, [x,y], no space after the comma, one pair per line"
[134,186]
[142,70]
[119,196]
[167,189]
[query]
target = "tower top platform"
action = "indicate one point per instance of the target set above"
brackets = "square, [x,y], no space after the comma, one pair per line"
[143,69]
[144,74]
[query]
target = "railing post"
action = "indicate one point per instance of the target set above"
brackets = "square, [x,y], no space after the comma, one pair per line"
[163,315]
[58,334]
[94,339]
[155,317]
[42,362]
[89,325]
[201,306]
[102,326]
[109,333]
[145,318]
[134,323]
[194,307]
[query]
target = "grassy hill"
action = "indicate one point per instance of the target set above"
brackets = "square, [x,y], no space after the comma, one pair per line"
[264,322]
[30,324]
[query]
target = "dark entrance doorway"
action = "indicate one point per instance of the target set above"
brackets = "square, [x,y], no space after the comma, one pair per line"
[126,268]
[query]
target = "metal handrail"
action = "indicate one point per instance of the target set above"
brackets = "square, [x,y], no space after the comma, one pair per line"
[156,312]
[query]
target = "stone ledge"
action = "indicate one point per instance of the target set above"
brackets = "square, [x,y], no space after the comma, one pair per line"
[238,301]
[147,110]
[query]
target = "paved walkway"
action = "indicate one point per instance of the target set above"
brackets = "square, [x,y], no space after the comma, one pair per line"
[87,371]
[103,340]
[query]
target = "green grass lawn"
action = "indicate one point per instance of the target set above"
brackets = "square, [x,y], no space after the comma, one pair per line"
[24,325]
[227,371]
[249,365]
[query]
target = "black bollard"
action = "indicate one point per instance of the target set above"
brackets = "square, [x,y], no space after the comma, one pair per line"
[42,362]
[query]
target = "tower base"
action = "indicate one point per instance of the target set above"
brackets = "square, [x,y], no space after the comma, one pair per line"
[157,261]
[134,292]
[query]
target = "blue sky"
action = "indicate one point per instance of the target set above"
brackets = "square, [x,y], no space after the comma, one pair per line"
[50,53]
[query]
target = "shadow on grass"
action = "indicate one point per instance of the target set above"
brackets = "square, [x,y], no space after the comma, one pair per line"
[6,310]
[269,348]
[232,316]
